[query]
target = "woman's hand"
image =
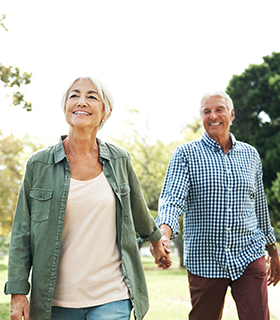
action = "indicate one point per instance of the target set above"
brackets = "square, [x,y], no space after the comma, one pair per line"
[19,307]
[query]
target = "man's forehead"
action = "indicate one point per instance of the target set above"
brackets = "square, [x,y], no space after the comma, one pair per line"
[214,101]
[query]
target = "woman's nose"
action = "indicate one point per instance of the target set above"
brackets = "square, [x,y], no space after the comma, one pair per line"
[82,102]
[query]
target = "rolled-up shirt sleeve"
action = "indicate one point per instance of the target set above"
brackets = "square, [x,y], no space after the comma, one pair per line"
[261,208]
[173,199]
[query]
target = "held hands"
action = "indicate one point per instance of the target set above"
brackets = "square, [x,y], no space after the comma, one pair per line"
[160,251]
[19,307]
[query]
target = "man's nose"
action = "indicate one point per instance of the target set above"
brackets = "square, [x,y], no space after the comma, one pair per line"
[213,115]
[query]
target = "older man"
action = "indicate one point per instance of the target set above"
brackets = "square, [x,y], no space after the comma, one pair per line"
[216,182]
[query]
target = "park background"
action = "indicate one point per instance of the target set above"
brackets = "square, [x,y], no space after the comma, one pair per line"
[157,58]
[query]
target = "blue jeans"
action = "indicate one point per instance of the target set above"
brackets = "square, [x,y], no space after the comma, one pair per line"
[117,310]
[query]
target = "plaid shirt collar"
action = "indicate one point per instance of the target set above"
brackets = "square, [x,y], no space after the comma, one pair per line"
[211,143]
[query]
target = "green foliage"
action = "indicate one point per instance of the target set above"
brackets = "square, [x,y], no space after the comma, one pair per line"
[13,155]
[194,130]
[150,158]
[4,244]
[256,97]
[2,18]
[274,202]
[11,77]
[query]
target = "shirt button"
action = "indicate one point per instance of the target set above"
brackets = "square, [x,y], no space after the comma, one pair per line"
[227,249]
[229,209]
[229,189]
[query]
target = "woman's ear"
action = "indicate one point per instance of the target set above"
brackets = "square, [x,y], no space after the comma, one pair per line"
[108,115]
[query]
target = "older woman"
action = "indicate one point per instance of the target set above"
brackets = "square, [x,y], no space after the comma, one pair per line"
[78,209]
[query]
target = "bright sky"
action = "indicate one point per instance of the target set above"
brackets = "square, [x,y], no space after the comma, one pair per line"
[157,56]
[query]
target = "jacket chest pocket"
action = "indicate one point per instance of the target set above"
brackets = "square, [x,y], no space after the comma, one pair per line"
[40,204]
[125,197]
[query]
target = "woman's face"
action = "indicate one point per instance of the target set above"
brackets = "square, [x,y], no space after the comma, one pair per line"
[84,106]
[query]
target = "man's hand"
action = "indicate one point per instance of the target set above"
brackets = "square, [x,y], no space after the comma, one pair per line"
[19,307]
[273,268]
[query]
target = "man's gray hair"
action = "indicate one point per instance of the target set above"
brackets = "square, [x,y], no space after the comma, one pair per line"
[218,93]
[103,92]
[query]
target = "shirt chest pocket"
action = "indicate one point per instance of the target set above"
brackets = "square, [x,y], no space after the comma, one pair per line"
[40,204]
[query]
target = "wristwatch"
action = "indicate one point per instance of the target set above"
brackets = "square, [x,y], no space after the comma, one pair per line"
[271,247]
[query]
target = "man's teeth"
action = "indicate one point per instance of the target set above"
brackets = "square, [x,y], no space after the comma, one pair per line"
[81,112]
[215,124]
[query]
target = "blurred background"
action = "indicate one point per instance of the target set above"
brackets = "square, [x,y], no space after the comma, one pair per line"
[157,58]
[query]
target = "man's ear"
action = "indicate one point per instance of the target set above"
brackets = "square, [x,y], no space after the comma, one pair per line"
[232,116]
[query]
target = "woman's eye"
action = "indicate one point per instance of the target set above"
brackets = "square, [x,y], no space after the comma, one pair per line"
[73,96]
[92,97]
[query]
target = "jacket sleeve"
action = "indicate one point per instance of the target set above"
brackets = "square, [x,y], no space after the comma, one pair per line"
[144,223]
[20,258]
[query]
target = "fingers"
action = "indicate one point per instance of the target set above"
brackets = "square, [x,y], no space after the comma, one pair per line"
[273,278]
[19,307]
[161,255]
[273,271]
[165,263]
[166,244]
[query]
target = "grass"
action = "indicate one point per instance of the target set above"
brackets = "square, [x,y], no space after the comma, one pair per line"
[168,293]
[4,300]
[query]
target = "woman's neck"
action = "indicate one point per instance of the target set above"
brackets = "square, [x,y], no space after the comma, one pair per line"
[80,143]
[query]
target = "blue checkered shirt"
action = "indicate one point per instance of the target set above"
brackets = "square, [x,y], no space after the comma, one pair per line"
[226,219]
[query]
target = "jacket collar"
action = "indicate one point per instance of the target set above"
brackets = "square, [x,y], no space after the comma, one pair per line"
[59,153]
[103,149]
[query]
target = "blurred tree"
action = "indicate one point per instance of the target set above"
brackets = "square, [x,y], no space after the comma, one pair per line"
[150,159]
[11,77]
[2,18]
[274,201]
[256,97]
[13,155]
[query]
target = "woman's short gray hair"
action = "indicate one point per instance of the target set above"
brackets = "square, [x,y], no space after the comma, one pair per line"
[104,93]
[218,93]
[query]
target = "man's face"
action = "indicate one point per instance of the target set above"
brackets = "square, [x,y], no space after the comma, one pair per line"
[216,118]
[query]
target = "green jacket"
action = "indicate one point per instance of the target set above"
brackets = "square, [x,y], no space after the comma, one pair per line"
[38,224]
